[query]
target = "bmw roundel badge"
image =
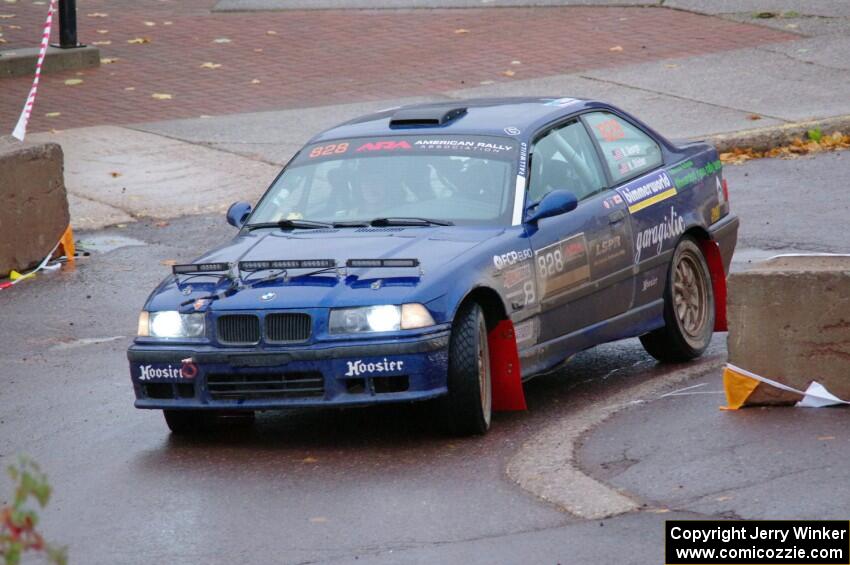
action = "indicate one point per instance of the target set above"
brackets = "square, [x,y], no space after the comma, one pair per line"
[268,296]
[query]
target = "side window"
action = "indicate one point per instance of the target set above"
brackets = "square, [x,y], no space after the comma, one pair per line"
[565,159]
[628,151]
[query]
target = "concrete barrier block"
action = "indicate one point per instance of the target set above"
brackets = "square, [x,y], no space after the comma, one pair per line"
[33,202]
[789,321]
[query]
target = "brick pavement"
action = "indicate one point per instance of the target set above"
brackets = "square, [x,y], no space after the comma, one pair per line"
[294,59]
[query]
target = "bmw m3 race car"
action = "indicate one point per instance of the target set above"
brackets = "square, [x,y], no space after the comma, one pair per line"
[444,251]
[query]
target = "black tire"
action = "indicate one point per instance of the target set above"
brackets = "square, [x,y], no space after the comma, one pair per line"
[688,308]
[188,422]
[468,407]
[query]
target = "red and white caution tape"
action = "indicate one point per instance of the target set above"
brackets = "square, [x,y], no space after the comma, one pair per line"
[21,127]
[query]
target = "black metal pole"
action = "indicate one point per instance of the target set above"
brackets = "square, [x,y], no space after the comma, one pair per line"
[68,24]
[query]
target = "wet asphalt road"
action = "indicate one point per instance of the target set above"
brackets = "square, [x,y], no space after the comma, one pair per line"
[371,485]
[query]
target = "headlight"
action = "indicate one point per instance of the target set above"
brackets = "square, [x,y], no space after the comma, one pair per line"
[170,323]
[384,318]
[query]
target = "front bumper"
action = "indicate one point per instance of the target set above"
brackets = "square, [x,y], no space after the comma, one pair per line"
[206,377]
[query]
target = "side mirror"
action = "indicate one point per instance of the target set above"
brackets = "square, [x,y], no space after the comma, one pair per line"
[238,213]
[555,203]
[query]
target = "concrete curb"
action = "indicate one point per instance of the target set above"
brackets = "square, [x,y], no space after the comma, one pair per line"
[21,62]
[546,465]
[762,139]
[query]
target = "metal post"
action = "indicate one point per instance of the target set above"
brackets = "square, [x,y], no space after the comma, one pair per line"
[68,24]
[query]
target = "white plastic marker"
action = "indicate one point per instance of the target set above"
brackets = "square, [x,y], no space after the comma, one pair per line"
[21,127]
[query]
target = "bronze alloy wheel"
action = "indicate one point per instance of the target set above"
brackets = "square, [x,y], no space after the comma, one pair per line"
[690,297]
[484,372]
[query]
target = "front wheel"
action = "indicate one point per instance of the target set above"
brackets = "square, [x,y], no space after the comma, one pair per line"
[688,308]
[468,408]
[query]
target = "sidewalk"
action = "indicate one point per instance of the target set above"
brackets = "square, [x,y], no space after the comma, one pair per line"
[688,75]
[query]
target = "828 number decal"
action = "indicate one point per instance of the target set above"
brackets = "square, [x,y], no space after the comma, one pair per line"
[332,149]
[563,265]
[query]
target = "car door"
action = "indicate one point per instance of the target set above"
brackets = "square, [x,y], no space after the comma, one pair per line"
[582,258]
[635,166]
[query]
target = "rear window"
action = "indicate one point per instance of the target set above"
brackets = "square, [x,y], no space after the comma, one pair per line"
[627,150]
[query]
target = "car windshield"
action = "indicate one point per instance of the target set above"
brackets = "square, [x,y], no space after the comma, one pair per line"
[462,180]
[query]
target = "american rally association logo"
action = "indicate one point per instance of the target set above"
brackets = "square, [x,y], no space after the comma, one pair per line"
[359,367]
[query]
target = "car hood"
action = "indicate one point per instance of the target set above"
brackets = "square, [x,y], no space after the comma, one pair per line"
[433,247]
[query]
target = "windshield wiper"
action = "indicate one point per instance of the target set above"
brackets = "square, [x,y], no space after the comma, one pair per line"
[290,225]
[403,221]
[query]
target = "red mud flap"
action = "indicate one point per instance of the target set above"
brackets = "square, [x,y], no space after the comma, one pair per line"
[505,369]
[711,251]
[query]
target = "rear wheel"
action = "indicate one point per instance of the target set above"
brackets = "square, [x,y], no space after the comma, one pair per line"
[688,308]
[468,407]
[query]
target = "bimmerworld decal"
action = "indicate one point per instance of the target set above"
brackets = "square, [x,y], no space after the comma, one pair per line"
[648,191]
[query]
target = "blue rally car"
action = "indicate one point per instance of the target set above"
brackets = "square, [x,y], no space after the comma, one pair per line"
[444,251]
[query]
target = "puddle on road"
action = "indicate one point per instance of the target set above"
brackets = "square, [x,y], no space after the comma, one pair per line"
[104,243]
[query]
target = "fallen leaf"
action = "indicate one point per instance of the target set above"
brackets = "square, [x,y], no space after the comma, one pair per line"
[3,40]
[210,65]
[204,116]
[103,31]
[658,510]
[616,48]
[13,27]
[792,26]
[516,62]
[486,82]
[150,24]
[108,60]
[461,31]
[98,15]
[672,66]
[258,50]
[167,23]
[221,40]
[508,73]
[115,174]
[168,262]
[129,88]
[309,460]
[271,32]
[139,40]
[255,81]
[52,114]
[723,498]
[107,42]
[73,81]
[318,520]
[161,96]
[10,1]
[6,16]
[753,117]
[825,438]
[161,224]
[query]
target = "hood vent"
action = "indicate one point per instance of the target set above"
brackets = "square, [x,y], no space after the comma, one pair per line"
[425,117]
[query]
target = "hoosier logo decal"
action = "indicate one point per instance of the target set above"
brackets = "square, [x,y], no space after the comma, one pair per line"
[357,368]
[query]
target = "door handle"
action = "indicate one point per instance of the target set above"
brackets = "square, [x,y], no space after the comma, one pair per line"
[616,217]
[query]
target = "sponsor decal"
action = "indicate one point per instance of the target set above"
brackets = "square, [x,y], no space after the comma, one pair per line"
[621,153]
[383,146]
[150,373]
[359,367]
[686,175]
[516,275]
[510,130]
[610,130]
[563,265]
[522,297]
[523,159]
[718,188]
[326,150]
[463,144]
[648,283]
[526,333]
[648,191]
[670,227]
[511,258]
[631,165]
[607,249]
